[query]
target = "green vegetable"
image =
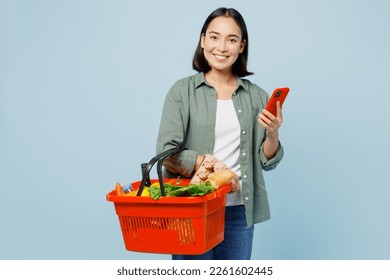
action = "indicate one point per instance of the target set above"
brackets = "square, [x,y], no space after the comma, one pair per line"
[155,192]
[174,191]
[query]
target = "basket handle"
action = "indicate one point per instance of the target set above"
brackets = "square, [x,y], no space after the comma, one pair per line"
[160,159]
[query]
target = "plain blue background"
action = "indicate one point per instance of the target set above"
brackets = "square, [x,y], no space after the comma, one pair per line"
[81,91]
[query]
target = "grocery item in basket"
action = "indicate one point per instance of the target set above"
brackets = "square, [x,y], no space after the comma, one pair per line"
[220,178]
[128,188]
[176,191]
[214,171]
[145,192]
[119,190]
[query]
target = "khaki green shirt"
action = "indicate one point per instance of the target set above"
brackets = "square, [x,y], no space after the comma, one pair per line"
[189,116]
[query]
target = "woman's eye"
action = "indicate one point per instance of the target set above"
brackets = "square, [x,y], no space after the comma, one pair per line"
[232,41]
[213,37]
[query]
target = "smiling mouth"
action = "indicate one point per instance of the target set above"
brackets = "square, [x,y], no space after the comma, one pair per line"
[220,57]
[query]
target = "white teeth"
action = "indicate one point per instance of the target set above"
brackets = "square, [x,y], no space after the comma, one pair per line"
[220,56]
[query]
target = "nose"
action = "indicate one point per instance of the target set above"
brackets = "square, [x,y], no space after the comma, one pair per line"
[222,46]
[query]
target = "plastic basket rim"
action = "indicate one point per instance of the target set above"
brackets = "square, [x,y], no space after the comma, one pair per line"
[220,192]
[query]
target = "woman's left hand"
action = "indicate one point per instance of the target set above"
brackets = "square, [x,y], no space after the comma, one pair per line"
[270,122]
[235,183]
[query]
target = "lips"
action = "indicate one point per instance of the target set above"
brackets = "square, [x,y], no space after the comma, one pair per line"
[220,57]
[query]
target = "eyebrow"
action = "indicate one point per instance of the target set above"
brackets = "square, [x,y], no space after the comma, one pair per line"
[231,35]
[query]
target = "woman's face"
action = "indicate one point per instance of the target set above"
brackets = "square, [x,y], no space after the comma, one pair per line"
[222,43]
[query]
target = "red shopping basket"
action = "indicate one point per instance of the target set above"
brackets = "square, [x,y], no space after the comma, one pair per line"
[170,225]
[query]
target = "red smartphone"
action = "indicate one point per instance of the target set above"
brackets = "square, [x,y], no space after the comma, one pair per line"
[279,94]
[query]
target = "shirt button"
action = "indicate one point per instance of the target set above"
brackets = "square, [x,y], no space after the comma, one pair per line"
[245,176]
[246,198]
[244,154]
[244,132]
[239,110]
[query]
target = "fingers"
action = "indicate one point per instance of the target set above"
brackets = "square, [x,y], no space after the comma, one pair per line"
[266,118]
[269,121]
[235,183]
[279,110]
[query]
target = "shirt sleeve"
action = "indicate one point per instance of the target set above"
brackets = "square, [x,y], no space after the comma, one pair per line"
[182,163]
[269,164]
[173,127]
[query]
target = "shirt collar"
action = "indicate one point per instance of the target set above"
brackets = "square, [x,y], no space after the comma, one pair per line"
[200,79]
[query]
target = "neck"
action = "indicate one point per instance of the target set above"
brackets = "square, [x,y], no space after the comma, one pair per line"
[217,77]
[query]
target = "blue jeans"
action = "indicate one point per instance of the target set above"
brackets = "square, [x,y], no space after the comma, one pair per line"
[237,244]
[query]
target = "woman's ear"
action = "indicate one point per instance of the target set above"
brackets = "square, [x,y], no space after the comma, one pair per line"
[202,41]
[243,44]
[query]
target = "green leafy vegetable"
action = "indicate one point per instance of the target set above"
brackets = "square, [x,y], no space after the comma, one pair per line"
[155,192]
[175,191]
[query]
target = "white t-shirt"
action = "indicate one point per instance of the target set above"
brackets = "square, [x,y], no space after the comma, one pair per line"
[227,143]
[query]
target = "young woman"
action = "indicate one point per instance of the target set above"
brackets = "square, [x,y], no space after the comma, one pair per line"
[217,112]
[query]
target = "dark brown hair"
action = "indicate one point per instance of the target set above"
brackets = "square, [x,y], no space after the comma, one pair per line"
[239,68]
